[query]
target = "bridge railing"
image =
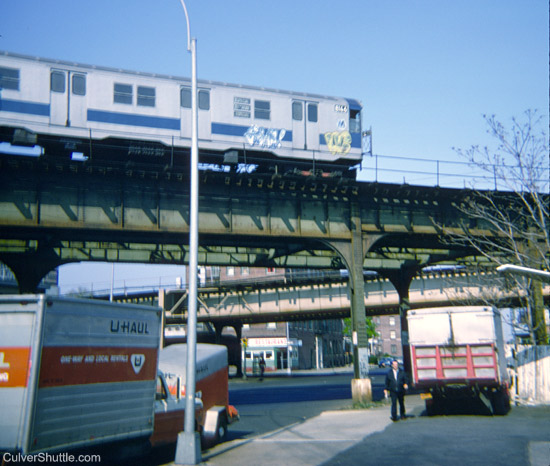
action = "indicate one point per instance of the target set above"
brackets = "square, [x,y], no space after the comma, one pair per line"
[433,172]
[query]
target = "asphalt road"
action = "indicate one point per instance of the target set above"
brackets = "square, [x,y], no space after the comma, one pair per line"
[474,438]
[520,438]
[277,402]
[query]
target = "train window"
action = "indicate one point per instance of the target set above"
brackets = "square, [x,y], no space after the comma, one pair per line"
[312,113]
[123,94]
[297,111]
[57,81]
[355,121]
[185,97]
[204,100]
[9,78]
[146,96]
[262,109]
[79,84]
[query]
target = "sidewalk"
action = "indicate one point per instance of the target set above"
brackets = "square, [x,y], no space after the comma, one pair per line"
[308,443]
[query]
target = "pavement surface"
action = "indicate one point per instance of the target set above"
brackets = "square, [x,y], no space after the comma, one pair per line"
[323,438]
[311,442]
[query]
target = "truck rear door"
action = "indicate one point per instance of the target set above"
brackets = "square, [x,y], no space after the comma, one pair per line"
[19,335]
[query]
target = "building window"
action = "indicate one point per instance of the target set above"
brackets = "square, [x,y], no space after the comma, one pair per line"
[262,109]
[392,335]
[245,270]
[123,94]
[230,271]
[9,78]
[79,84]
[392,321]
[146,96]
[271,325]
[57,81]
[393,349]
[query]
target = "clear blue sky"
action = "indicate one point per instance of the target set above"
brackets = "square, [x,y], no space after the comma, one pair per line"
[425,70]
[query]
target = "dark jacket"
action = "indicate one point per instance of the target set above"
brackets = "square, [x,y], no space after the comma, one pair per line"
[393,385]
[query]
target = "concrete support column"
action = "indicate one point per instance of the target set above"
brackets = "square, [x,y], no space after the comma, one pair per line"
[401,280]
[353,254]
[361,386]
[238,360]
[219,329]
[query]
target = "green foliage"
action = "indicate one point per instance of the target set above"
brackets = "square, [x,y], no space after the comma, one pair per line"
[370,325]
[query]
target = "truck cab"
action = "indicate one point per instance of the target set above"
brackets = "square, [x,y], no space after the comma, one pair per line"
[170,413]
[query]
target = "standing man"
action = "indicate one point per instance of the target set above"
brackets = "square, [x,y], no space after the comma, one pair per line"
[396,384]
[261,363]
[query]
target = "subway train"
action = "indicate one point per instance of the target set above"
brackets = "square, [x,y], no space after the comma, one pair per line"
[111,116]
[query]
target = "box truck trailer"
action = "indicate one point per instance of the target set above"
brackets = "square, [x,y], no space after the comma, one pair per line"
[78,373]
[457,354]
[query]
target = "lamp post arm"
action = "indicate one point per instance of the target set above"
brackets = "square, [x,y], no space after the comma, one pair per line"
[188,28]
[525,271]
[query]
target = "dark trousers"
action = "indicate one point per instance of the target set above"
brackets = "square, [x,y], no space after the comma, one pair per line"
[394,398]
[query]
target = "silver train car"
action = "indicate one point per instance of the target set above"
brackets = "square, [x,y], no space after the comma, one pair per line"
[111,116]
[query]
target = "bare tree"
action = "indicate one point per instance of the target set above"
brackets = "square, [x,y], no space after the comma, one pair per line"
[511,223]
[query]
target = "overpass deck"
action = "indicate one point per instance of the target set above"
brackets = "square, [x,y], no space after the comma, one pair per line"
[287,300]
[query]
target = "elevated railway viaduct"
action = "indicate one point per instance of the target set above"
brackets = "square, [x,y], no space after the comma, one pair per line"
[53,213]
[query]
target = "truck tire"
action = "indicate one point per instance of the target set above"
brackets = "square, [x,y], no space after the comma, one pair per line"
[221,435]
[430,408]
[500,402]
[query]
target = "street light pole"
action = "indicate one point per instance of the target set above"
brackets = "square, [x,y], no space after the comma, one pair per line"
[525,271]
[188,449]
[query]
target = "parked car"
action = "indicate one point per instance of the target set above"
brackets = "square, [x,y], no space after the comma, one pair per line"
[385,362]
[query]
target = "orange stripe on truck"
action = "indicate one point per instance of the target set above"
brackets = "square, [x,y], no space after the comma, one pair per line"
[76,365]
[14,366]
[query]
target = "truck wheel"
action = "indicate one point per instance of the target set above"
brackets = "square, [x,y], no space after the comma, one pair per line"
[222,430]
[500,402]
[430,408]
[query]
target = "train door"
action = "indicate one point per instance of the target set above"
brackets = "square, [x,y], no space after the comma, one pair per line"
[205,121]
[67,98]
[203,104]
[305,125]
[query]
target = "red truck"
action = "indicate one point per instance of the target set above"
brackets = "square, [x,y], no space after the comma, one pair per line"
[457,355]
[78,373]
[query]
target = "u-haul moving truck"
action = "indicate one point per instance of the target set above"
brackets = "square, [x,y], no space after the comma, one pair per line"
[211,377]
[457,354]
[78,373]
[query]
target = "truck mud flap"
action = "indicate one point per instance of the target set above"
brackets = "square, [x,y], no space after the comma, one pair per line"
[486,401]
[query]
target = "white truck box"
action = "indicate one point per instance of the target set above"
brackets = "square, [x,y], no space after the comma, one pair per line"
[460,346]
[75,372]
